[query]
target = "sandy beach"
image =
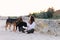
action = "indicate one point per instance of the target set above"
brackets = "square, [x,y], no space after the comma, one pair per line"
[10,35]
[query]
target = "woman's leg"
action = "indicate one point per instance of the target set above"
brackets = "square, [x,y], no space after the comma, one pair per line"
[30,31]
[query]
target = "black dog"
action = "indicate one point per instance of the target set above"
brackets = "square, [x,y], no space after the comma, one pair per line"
[20,26]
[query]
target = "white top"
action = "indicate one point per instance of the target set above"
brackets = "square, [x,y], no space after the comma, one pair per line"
[31,26]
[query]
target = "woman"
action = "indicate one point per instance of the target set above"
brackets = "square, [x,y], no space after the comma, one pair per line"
[31,25]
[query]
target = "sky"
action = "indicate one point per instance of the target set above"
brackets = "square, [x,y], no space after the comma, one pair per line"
[25,7]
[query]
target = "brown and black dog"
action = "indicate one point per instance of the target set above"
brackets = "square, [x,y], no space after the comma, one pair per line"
[9,22]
